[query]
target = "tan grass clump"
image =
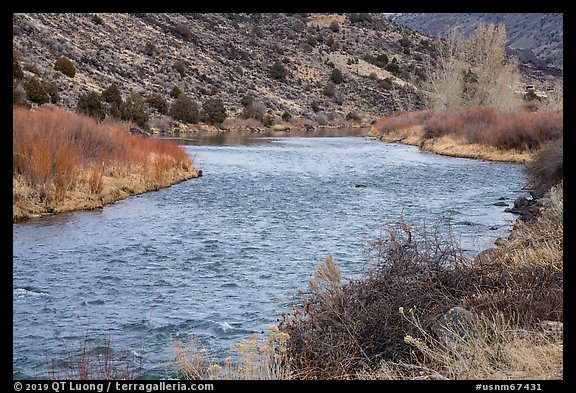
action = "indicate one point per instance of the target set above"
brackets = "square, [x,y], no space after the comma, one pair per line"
[259,358]
[525,276]
[490,348]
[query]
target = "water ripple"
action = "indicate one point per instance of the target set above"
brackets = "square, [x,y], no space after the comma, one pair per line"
[222,256]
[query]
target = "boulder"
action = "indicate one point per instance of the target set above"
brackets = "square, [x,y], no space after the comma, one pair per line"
[453,325]
[521,202]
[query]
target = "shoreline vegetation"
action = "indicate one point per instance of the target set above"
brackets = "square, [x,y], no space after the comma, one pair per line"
[64,161]
[480,132]
[423,310]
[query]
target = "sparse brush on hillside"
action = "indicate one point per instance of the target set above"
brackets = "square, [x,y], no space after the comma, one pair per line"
[66,161]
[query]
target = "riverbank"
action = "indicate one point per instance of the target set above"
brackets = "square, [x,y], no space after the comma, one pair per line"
[424,310]
[67,162]
[28,203]
[295,127]
[452,146]
[476,132]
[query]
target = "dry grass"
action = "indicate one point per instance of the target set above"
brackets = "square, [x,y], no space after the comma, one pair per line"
[525,275]
[474,132]
[63,161]
[456,146]
[259,358]
[95,362]
[547,167]
[493,348]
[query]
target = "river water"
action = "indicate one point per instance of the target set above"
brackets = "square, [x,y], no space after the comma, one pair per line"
[220,257]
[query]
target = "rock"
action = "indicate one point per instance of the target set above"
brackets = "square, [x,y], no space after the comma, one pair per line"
[308,127]
[521,202]
[553,328]
[455,323]
[500,204]
[527,209]
[500,241]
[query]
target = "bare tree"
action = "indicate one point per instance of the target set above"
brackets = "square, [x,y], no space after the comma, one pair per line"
[445,73]
[556,96]
[473,71]
[495,75]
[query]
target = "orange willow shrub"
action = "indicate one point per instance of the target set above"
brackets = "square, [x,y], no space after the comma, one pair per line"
[522,130]
[52,148]
[401,121]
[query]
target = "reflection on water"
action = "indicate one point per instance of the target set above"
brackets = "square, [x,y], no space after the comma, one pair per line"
[245,138]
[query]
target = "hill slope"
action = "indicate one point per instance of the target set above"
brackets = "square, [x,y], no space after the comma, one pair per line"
[542,33]
[227,56]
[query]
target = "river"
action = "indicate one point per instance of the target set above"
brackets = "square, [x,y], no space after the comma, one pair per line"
[220,257]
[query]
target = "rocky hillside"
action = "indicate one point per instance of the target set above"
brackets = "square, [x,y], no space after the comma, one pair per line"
[307,65]
[539,34]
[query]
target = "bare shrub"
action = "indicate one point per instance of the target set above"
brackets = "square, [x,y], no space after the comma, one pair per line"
[239,122]
[524,130]
[443,123]
[476,121]
[472,71]
[341,327]
[520,130]
[88,362]
[546,169]
[404,120]
[162,123]
[254,110]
